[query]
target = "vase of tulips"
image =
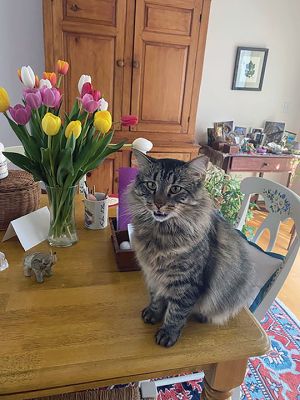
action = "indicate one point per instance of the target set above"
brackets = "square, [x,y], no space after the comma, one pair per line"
[60,151]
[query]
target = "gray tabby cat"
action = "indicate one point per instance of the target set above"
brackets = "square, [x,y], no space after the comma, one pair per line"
[193,261]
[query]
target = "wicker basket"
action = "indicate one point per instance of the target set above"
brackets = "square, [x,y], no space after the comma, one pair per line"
[19,195]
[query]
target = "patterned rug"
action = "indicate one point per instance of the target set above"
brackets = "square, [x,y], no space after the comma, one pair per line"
[275,376]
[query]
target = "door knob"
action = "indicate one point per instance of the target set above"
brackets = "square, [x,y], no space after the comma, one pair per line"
[135,64]
[120,63]
[74,7]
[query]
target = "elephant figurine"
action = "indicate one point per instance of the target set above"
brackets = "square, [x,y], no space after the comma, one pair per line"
[39,265]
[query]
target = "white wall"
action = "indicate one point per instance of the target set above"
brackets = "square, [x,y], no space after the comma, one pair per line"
[273,24]
[21,33]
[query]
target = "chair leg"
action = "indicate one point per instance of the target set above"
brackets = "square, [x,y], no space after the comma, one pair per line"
[293,234]
[236,393]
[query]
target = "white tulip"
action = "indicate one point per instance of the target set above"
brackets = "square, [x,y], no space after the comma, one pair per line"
[28,77]
[103,104]
[45,82]
[82,80]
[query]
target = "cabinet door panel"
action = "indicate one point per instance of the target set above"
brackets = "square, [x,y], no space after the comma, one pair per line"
[102,73]
[106,175]
[164,67]
[165,46]
[94,44]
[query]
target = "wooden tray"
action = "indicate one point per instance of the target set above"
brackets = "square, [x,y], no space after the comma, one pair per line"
[125,258]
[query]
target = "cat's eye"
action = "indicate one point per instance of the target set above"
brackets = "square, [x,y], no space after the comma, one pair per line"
[151,185]
[175,189]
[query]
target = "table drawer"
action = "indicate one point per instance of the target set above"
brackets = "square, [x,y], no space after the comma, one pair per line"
[261,164]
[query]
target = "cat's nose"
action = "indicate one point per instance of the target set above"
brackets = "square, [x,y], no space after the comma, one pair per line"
[159,204]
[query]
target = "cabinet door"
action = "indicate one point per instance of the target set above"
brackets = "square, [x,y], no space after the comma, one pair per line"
[106,175]
[90,35]
[165,46]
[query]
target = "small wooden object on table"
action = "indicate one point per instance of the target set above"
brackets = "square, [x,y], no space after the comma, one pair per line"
[82,328]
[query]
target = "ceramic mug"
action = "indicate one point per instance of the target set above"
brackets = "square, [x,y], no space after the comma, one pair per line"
[96,212]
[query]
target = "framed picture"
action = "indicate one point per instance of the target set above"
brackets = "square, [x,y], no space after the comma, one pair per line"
[274,132]
[249,69]
[240,130]
[223,128]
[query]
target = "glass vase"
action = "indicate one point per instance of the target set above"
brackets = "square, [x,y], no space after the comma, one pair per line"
[62,232]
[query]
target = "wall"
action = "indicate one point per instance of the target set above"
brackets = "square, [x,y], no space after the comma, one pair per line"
[273,24]
[21,33]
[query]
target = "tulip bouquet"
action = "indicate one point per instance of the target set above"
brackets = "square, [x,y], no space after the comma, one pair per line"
[60,151]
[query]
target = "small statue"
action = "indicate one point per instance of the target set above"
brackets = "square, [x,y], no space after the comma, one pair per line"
[39,264]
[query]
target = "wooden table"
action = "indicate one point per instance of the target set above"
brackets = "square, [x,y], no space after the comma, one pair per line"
[82,329]
[259,163]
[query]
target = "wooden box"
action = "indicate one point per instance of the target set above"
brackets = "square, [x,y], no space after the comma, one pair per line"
[231,148]
[125,258]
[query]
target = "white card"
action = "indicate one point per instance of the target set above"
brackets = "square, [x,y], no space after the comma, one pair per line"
[130,233]
[31,229]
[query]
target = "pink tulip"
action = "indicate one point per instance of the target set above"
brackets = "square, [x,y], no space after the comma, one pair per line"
[89,104]
[33,98]
[21,114]
[87,88]
[129,120]
[51,97]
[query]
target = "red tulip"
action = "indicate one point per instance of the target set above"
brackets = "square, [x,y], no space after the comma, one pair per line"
[21,114]
[129,120]
[87,88]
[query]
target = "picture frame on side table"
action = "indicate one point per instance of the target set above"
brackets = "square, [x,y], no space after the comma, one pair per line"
[274,132]
[249,69]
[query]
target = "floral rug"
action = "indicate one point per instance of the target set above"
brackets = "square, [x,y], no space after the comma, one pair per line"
[275,376]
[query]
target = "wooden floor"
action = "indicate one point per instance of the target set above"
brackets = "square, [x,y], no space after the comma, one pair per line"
[290,293]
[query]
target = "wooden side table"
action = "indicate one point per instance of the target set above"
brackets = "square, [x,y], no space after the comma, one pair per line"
[82,328]
[259,163]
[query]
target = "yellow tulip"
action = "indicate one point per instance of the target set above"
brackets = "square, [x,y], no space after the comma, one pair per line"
[73,128]
[102,121]
[4,100]
[51,124]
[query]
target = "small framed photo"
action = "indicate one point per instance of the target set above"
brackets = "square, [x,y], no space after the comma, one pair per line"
[274,132]
[249,69]
[240,130]
[290,137]
[222,129]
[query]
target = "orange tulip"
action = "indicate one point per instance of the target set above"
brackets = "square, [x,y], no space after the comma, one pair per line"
[37,82]
[19,74]
[62,67]
[51,76]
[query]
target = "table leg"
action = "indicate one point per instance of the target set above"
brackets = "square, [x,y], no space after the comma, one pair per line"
[221,378]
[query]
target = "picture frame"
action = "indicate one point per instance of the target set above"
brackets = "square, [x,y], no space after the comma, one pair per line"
[223,128]
[274,132]
[240,130]
[249,68]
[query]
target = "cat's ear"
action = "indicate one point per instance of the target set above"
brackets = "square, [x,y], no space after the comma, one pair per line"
[143,161]
[199,165]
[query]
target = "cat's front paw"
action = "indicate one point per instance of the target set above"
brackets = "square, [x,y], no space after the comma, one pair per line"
[149,316]
[166,338]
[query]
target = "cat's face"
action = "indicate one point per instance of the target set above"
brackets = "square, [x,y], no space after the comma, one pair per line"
[168,188]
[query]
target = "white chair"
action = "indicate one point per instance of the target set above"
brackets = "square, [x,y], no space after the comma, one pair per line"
[281,203]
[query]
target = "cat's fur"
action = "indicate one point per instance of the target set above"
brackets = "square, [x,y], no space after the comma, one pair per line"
[193,261]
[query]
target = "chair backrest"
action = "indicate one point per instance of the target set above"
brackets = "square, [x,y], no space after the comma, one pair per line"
[281,203]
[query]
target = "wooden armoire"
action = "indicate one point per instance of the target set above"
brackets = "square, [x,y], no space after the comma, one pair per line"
[145,56]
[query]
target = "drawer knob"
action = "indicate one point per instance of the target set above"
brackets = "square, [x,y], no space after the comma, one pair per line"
[135,64]
[74,7]
[265,164]
[120,63]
